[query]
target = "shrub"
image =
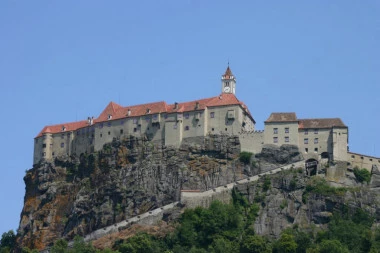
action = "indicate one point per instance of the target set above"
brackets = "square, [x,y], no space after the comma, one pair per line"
[245,157]
[362,175]
[266,184]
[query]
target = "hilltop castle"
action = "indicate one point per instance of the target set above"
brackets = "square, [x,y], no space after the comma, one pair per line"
[171,124]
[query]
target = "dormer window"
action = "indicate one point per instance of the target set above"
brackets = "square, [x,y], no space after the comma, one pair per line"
[109,116]
[129,112]
[63,128]
[148,111]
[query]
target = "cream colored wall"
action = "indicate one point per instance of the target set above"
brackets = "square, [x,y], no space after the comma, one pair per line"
[323,145]
[195,122]
[269,133]
[340,143]
[220,122]
[362,161]
[251,141]
[173,130]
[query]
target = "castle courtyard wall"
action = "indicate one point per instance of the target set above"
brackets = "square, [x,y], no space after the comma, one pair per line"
[270,134]
[362,161]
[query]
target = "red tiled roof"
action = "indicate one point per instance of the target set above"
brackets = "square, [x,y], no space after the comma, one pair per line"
[228,73]
[119,112]
[72,126]
[321,123]
[282,117]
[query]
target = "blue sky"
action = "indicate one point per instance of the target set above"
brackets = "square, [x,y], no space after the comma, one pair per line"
[62,61]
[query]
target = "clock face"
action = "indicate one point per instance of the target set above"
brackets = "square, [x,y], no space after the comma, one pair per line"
[227,89]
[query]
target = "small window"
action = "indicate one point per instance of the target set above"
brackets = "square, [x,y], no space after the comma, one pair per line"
[225,129]
[134,121]
[275,139]
[315,131]
[187,115]
[286,138]
[135,130]
[101,125]
[109,116]
[315,140]
[187,128]
[370,159]
[212,114]
[212,129]
[52,154]
[316,150]
[101,135]
[63,136]
[286,130]
[306,141]
[361,157]
[352,156]
[306,132]
[109,124]
[44,154]
[109,132]
[121,131]
[275,130]
[122,122]
[44,145]
[147,128]
[62,144]
[306,150]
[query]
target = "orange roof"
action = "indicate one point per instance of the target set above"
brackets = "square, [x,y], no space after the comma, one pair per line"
[282,117]
[72,126]
[228,73]
[321,123]
[118,112]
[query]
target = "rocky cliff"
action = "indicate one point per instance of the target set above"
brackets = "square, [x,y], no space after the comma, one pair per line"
[77,195]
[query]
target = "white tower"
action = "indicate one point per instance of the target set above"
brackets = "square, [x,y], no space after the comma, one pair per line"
[228,82]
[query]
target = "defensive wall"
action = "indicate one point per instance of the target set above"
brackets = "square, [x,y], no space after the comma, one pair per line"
[362,161]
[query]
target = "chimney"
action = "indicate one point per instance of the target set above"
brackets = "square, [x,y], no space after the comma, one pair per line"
[129,112]
[196,105]
[89,120]
[176,106]
[92,120]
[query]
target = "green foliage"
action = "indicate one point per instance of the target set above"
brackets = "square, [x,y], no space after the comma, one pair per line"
[284,204]
[362,175]
[7,242]
[266,183]
[245,157]
[255,244]
[141,243]
[286,244]
[320,186]
[328,246]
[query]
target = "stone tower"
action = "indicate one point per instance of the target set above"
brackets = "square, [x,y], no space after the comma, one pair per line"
[228,82]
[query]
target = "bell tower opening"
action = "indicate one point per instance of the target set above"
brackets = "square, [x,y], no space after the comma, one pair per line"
[228,81]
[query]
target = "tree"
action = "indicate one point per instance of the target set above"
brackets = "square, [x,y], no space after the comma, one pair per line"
[8,240]
[286,244]
[328,246]
[60,246]
[255,244]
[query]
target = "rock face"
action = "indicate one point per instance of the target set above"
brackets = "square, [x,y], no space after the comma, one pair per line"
[77,195]
[291,201]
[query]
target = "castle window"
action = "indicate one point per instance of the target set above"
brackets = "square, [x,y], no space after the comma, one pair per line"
[225,129]
[155,117]
[352,156]
[135,130]
[361,157]
[315,140]
[109,117]
[187,128]
[286,138]
[109,124]
[306,132]
[316,150]
[135,121]
[186,115]
[101,135]
[101,125]
[306,141]
[370,159]
[286,130]
[122,122]
[121,131]
[306,150]
[109,132]
[315,131]
[44,145]
[212,129]
[275,130]
[275,139]
[227,84]
[212,114]
[44,154]
[62,136]
[52,154]
[62,144]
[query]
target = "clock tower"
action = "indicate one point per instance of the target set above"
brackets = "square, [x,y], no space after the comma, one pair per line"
[228,82]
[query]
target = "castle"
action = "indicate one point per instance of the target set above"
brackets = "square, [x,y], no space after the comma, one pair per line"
[171,124]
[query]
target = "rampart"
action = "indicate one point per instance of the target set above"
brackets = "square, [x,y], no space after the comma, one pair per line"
[362,161]
[252,141]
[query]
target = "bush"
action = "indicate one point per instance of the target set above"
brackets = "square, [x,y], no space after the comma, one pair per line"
[362,175]
[245,157]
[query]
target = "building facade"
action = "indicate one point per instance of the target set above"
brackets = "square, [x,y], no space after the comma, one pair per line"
[169,124]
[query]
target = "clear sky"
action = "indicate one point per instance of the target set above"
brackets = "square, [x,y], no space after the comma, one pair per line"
[62,61]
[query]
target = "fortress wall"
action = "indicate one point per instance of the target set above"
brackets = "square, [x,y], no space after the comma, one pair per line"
[192,199]
[281,134]
[362,161]
[340,140]
[220,122]
[195,123]
[251,141]
[312,149]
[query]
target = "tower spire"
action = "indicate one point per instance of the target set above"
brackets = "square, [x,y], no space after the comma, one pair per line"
[228,81]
